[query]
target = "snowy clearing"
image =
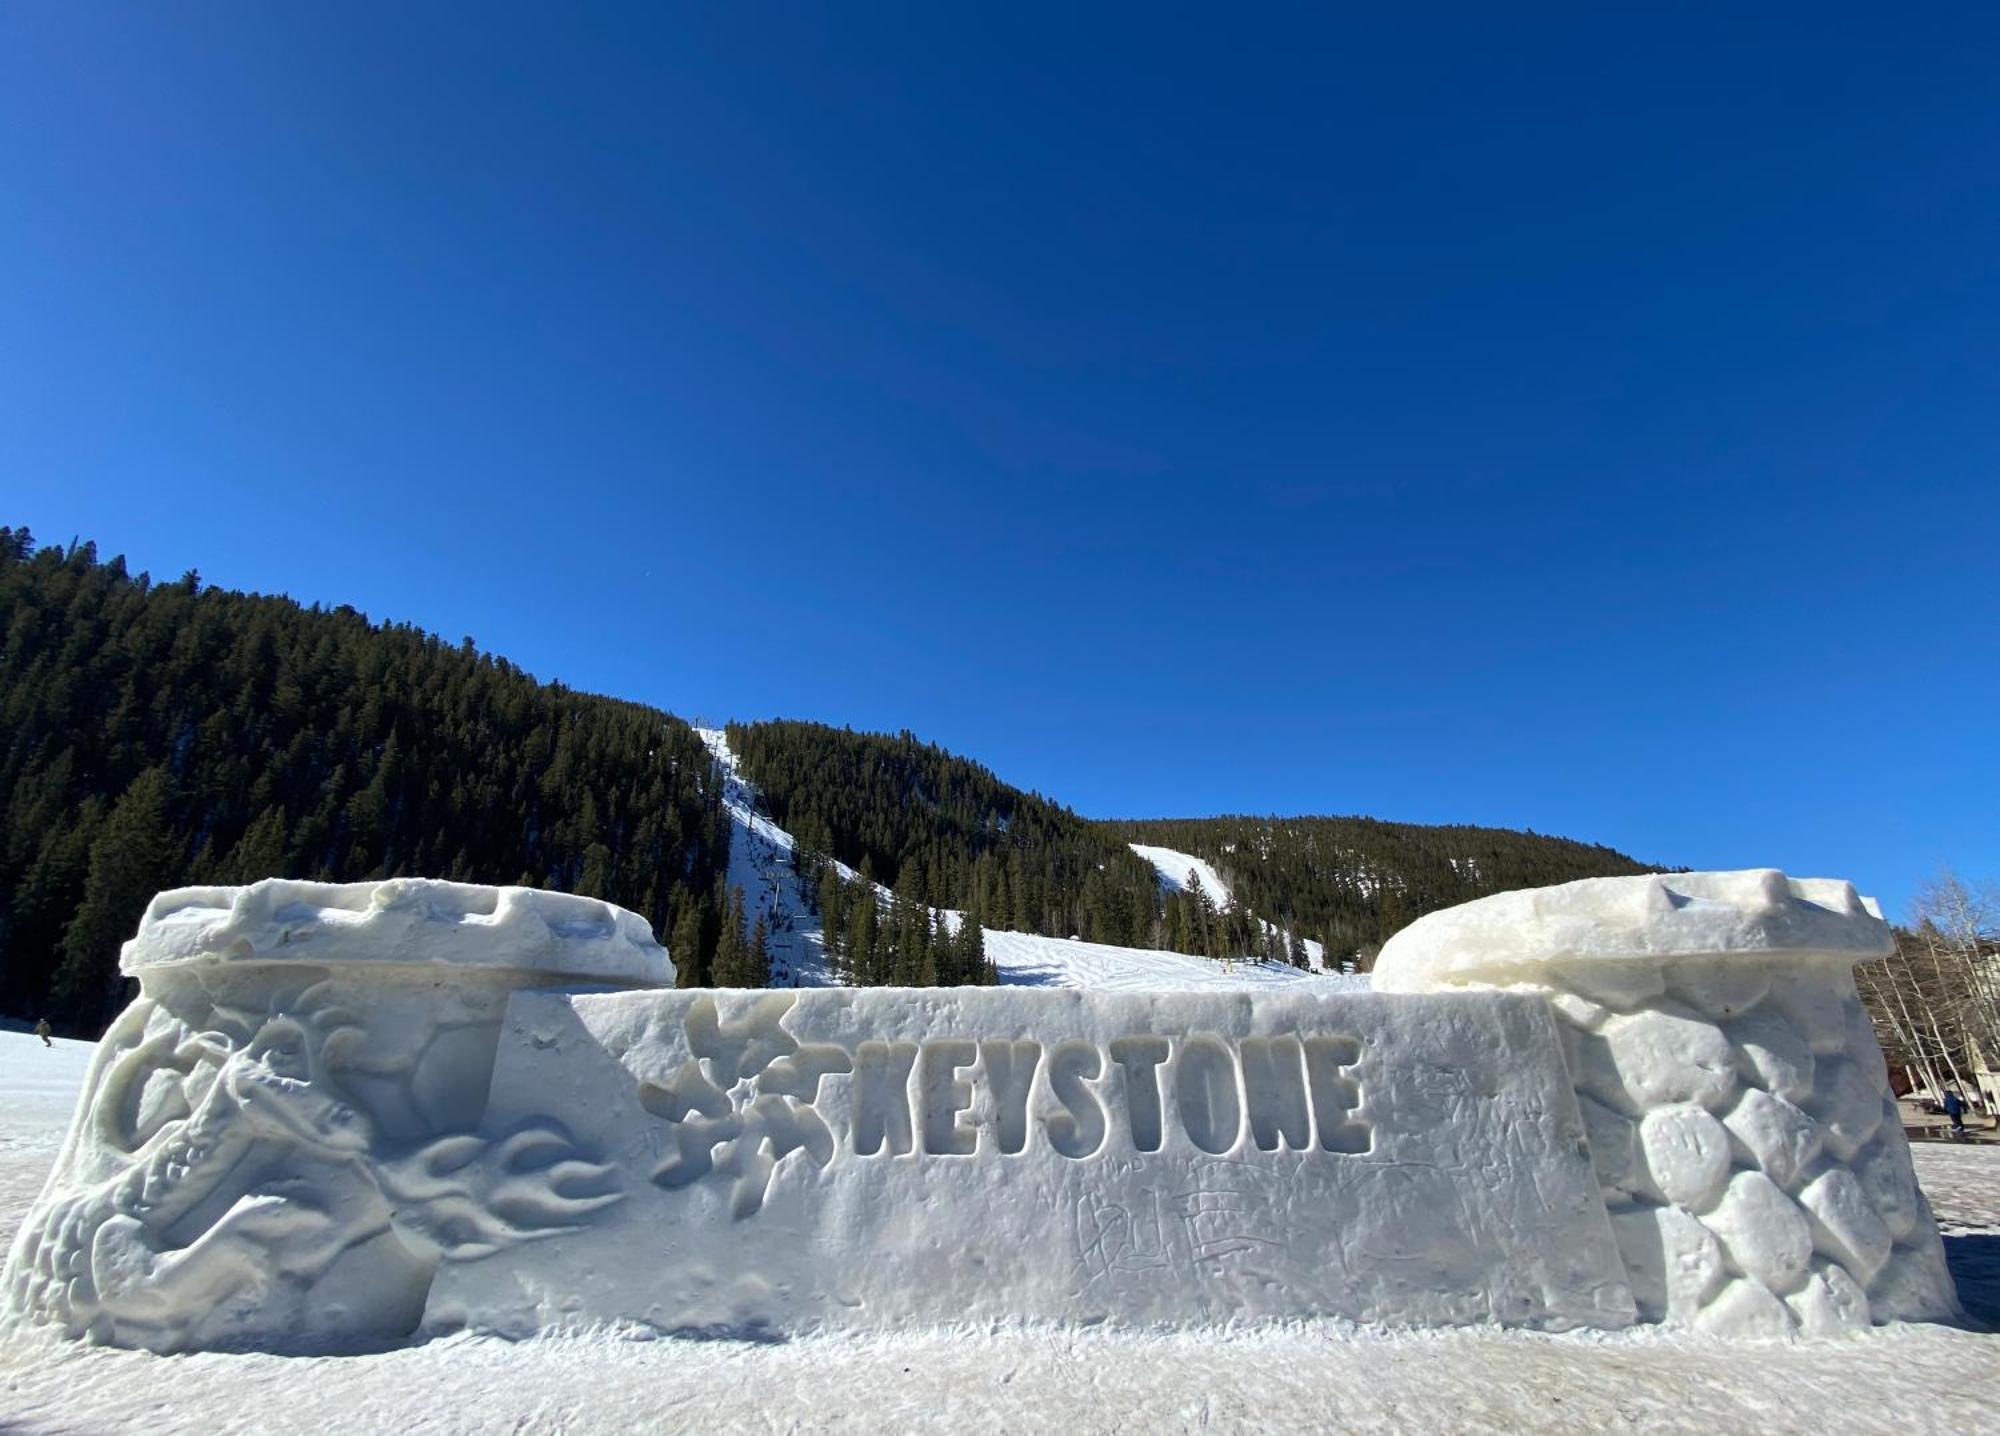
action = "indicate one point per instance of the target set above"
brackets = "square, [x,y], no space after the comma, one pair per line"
[1312,1376]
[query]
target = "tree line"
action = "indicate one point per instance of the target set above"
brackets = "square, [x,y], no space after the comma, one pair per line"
[1192,921]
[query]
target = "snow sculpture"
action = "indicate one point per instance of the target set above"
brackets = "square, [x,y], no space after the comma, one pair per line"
[876,1158]
[1738,1108]
[276,1145]
[340,1116]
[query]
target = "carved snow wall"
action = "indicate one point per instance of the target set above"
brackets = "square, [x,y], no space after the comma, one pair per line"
[346,1116]
[808,1161]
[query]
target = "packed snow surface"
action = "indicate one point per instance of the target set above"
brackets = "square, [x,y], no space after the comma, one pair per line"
[38,1087]
[1906,1379]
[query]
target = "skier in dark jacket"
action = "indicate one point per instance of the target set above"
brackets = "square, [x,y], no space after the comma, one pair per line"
[44,1031]
[1954,1108]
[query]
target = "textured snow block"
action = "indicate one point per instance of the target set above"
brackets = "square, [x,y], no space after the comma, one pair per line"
[442,927]
[1845,1224]
[1776,1138]
[274,1147]
[1675,1262]
[1746,1310]
[1763,1231]
[1915,1284]
[793,1162]
[1773,1056]
[1740,1055]
[1666,1056]
[1829,1303]
[1687,1154]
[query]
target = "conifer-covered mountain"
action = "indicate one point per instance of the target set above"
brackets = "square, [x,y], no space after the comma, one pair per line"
[1352,882]
[943,830]
[154,735]
[158,734]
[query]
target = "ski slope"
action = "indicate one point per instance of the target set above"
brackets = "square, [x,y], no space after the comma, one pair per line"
[1176,869]
[762,861]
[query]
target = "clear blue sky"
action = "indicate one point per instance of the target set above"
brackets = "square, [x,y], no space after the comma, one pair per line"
[1557,419]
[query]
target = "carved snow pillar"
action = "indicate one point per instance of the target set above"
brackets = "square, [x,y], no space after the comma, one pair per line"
[1738,1108]
[276,1144]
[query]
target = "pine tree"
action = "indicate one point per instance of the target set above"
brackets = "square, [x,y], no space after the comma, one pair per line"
[259,853]
[972,965]
[595,879]
[862,936]
[131,860]
[757,972]
[732,957]
[685,947]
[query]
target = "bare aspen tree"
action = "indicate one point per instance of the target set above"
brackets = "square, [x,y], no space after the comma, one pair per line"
[1936,1002]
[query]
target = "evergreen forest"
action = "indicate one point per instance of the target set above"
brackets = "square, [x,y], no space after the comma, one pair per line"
[1352,883]
[944,831]
[154,735]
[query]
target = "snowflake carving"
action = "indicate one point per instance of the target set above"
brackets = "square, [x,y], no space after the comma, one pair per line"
[743,1102]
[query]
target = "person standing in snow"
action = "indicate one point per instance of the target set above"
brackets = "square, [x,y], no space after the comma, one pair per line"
[43,1031]
[1954,1108]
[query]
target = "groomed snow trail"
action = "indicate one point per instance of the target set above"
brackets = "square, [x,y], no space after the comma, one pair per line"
[761,863]
[1908,1379]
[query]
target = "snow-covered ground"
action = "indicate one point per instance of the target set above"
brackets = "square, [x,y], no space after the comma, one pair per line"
[1030,961]
[1307,1377]
[761,863]
[38,1087]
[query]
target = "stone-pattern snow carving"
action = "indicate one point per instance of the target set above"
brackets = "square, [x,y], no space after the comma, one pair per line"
[276,1145]
[1736,1102]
